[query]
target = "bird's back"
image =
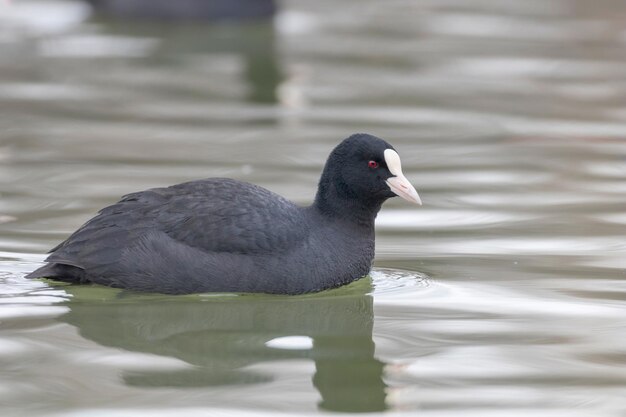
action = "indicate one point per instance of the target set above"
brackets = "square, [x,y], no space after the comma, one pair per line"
[176,239]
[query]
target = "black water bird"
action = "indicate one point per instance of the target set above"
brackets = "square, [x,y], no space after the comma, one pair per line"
[223,235]
[185,10]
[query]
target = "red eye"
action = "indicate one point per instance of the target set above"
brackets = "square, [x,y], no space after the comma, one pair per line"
[372,164]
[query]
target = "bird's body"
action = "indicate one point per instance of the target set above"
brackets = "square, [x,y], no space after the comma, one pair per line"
[223,235]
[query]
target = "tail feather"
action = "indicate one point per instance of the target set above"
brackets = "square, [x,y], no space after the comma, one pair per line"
[61,272]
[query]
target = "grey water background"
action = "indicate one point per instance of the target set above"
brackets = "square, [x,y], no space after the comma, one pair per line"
[504,295]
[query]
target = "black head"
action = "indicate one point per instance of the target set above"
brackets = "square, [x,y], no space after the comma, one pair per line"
[362,172]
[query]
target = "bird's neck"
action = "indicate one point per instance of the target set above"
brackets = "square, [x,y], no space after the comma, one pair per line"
[336,204]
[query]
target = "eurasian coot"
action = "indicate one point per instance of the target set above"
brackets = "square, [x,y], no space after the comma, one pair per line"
[223,235]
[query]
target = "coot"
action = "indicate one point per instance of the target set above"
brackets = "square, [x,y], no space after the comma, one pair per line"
[223,235]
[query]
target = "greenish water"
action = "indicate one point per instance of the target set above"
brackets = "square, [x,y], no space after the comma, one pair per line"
[504,295]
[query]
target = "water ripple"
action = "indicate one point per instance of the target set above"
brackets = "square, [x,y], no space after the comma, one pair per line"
[425,219]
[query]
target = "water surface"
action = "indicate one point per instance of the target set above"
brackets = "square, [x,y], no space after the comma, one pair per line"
[505,294]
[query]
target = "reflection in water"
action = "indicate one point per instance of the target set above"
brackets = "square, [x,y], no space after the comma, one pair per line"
[223,336]
[246,48]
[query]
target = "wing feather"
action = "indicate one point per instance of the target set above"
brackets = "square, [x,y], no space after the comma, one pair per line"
[213,215]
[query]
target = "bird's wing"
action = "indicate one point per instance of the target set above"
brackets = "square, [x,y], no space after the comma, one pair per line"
[231,216]
[214,215]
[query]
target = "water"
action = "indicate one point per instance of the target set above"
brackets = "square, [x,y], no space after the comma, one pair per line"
[504,294]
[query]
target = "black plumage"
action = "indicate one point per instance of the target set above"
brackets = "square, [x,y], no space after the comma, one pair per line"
[223,235]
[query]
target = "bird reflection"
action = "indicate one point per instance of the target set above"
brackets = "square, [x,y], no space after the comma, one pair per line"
[251,44]
[222,336]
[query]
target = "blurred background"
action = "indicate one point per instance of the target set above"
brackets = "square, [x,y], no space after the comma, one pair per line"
[505,293]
